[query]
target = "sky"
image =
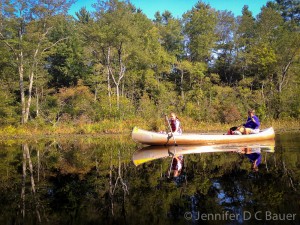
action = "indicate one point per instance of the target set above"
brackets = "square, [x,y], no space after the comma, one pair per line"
[179,7]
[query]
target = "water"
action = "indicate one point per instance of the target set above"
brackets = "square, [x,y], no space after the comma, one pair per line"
[84,180]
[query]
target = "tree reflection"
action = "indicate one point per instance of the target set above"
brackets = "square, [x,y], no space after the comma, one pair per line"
[92,181]
[27,159]
[119,181]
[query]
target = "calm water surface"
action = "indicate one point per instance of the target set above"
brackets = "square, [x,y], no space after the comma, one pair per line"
[105,180]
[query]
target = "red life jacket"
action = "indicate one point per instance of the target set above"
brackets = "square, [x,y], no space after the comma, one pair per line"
[230,132]
[173,125]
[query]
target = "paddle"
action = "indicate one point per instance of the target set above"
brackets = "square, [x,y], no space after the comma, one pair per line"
[173,155]
[170,130]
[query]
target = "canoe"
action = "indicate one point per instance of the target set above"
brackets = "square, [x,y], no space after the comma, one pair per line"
[154,138]
[151,153]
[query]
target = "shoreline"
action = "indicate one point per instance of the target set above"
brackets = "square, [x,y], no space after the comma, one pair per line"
[41,135]
[35,130]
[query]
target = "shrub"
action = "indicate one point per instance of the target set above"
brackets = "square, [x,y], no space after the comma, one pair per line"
[230,114]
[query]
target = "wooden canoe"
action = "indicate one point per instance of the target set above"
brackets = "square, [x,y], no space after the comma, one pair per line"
[154,138]
[150,153]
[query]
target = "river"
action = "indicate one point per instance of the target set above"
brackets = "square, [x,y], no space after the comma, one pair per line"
[110,180]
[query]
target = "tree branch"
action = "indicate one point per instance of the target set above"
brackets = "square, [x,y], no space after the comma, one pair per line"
[45,49]
[6,43]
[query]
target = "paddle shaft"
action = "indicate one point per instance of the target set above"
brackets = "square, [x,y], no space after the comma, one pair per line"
[170,128]
[169,172]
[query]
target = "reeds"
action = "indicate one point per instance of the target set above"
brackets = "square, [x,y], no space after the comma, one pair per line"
[126,126]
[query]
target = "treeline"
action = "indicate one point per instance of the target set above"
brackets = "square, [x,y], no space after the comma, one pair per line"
[114,63]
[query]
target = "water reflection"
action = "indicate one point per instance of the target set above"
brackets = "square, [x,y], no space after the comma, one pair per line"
[254,156]
[251,150]
[28,165]
[94,181]
[176,171]
[182,176]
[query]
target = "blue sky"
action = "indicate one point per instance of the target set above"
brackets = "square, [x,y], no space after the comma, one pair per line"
[179,7]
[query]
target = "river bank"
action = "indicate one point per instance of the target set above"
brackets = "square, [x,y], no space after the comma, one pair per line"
[125,127]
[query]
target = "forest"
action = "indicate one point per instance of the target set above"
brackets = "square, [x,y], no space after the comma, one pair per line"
[114,68]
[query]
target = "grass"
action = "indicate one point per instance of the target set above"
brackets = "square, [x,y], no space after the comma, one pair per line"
[33,129]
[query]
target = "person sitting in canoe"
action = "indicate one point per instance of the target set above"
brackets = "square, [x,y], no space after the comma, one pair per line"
[251,126]
[175,124]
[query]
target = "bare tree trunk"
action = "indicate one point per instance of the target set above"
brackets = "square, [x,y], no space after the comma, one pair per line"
[21,84]
[181,84]
[37,97]
[117,82]
[27,110]
[120,73]
[37,102]
[96,93]
[283,79]
[108,77]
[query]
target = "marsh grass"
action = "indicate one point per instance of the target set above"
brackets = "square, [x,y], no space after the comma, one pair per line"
[126,126]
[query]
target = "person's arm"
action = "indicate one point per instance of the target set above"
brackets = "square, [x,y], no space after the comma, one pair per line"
[247,122]
[256,120]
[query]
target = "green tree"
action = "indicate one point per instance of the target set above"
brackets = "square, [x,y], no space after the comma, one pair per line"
[199,27]
[276,55]
[289,9]
[114,22]
[170,30]
[26,26]
[67,61]
[83,16]
[243,40]
[225,48]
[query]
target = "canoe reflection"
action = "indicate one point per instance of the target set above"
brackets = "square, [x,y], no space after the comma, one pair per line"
[151,153]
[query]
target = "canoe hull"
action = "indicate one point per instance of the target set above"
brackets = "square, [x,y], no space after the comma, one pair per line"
[154,138]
